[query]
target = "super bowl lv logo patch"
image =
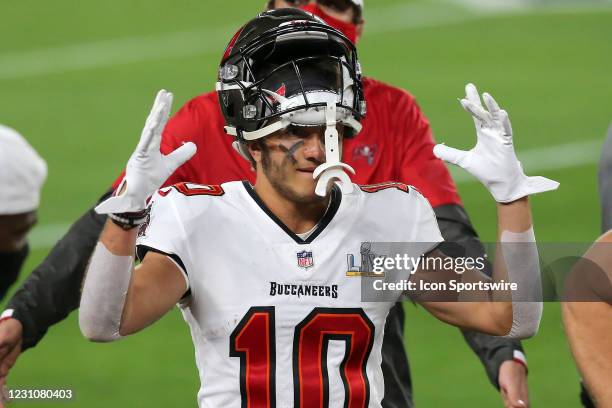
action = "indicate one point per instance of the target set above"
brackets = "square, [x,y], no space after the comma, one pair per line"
[366,268]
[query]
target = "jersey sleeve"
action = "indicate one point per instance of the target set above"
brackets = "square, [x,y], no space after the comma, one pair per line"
[427,224]
[418,165]
[164,233]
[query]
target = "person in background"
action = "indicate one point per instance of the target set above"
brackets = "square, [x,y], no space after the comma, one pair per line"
[605,183]
[590,314]
[22,175]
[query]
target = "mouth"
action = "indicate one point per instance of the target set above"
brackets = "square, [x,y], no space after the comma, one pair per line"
[308,170]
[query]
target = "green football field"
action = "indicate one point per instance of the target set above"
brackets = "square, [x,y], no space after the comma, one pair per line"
[77,79]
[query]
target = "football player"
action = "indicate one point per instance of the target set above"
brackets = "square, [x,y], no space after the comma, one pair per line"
[290,88]
[395,144]
[586,319]
[605,183]
[587,313]
[22,174]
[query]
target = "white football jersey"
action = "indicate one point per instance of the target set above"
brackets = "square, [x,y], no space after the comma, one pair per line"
[278,321]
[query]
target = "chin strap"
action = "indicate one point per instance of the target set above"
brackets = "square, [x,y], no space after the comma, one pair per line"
[333,167]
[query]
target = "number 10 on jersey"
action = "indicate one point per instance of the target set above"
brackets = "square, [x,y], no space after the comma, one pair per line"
[253,341]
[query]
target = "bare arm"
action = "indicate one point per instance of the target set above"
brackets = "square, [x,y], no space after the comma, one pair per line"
[491,315]
[497,354]
[157,284]
[589,316]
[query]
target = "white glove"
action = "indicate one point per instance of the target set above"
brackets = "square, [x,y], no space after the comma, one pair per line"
[493,160]
[147,168]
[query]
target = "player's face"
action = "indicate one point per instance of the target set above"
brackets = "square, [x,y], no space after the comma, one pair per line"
[14,230]
[347,15]
[289,3]
[288,159]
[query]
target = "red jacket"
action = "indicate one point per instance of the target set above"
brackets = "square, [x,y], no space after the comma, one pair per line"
[395,145]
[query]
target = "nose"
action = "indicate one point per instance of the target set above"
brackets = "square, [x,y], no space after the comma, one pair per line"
[314,146]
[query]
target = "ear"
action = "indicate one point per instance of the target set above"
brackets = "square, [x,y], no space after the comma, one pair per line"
[254,149]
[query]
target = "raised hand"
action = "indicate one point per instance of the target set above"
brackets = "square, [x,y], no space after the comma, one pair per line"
[147,168]
[493,160]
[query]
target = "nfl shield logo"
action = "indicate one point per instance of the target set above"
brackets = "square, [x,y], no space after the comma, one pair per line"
[304,259]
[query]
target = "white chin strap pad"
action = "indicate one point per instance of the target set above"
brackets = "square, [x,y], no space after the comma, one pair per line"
[333,168]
